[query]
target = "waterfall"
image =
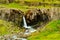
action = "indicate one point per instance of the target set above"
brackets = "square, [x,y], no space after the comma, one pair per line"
[25,24]
[29,28]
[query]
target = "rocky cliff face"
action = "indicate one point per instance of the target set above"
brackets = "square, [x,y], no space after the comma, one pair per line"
[43,15]
[36,15]
[13,15]
[53,13]
[32,16]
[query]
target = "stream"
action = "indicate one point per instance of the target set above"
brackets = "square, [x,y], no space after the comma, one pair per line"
[29,29]
[20,36]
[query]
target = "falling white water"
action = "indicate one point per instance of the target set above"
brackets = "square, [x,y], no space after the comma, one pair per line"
[25,24]
[29,28]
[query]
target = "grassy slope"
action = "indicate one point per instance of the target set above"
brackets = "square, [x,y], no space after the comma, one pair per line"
[4,30]
[20,7]
[46,1]
[8,28]
[50,32]
[25,7]
[15,6]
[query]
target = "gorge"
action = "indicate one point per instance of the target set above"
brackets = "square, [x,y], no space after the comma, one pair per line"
[30,19]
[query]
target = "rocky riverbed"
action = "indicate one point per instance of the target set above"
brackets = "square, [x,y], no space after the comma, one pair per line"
[15,36]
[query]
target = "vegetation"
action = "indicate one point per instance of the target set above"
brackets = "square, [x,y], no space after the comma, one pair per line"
[8,28]
[47,1]
[50,32]
[14,6]
[20,7]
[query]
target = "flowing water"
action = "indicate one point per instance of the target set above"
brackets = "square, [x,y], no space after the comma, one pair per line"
[28,31]
[25,24]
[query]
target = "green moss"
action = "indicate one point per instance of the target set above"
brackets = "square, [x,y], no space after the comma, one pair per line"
[50,32]
[7,28]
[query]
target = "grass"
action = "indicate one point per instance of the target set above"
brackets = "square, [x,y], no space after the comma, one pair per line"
[33,0]
[8,28]
[14,6]
[23,8]
[50,32]
[46,1]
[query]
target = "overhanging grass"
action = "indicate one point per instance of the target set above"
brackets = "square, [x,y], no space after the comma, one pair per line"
[33,0]
[50,32]
[45,1]
[24,8]
[14,6]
